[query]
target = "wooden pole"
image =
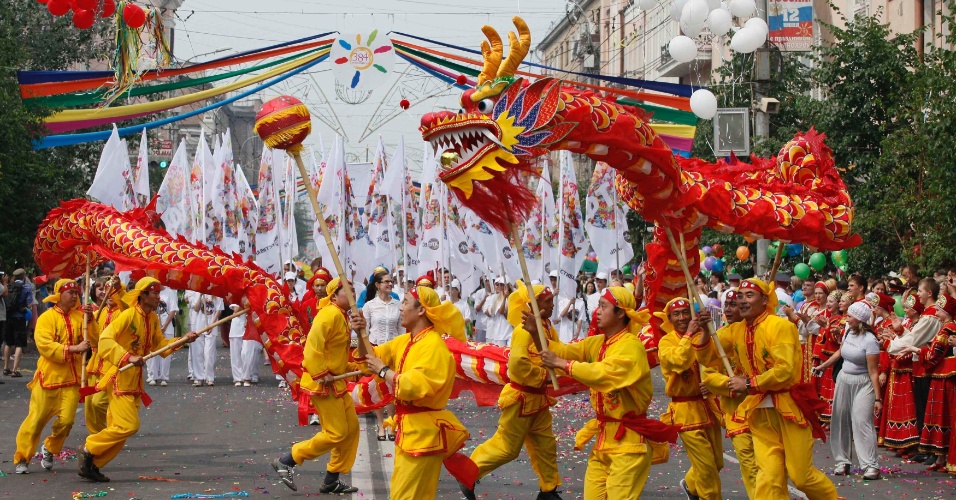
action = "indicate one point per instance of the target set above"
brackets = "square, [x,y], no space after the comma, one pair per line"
[347,375]
[86,327]
[776,263]
[99,307]
[711,329]
[542,337]
[183,340]
[364,346]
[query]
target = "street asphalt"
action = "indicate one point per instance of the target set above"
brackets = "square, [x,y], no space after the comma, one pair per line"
[220,441]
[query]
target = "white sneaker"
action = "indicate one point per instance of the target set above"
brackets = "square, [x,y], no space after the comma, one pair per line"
[22,468]
[209,383]
[283,384]
[238,384]
[197,383]
[247,384]
[152,382]
[163,383]
[46,458]
[313,419]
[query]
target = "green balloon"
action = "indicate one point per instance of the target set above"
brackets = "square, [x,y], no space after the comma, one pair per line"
[818,261]
[802,270]
[898,306]
[838,257]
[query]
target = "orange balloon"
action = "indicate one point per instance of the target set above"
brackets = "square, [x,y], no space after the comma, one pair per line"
[750,239]
[743,252]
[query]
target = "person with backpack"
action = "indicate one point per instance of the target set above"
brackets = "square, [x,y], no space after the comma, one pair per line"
[18,302]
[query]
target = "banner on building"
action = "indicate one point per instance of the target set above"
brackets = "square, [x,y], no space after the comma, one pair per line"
[791,24]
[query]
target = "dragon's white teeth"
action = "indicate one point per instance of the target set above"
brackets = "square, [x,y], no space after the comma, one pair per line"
[491,137]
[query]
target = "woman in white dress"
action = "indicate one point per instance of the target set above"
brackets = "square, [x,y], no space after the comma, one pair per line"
[570,316]
[496,308]
[382,315]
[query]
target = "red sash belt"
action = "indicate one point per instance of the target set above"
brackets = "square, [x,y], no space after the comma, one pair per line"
[408,409]
[654,430]
[808,401]
[687,399]
[542,390]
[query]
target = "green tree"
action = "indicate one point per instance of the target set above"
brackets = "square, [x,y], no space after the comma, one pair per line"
[33,182]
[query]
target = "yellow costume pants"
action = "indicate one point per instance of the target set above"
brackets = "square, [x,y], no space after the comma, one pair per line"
[95,407]
[705,450]
[340,434]
[613,476]
[415,478]
[744,446]
[513,431]
[122,421]
[785,449]
[44,405]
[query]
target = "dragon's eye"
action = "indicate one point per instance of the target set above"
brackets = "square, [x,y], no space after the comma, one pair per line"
[486,105]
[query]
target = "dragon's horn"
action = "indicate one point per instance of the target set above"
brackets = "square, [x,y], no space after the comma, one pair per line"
[519,48]
[492,53]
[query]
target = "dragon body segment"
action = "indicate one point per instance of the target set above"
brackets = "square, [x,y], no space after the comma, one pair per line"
[506,123]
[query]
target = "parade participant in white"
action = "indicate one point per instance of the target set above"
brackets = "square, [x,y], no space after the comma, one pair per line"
[203,311]
[237,328]
[158,366]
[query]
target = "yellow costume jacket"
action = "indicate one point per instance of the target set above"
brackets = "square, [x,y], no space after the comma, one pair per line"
[133,333]
[55,332]
[326,352]
[770,356]
[681,371]
[716,382]
[615,368]
[425,378]
[97,365]
[529,378]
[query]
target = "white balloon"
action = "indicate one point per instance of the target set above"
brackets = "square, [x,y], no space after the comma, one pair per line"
[691,30]
[682,49]
[713,4]
[703,104]
[677,8]
[648,4]
[747,40]
[756,22]
[720,21]
[694,12]
[743,8]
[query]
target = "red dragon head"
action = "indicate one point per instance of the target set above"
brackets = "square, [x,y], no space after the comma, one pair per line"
[503,123]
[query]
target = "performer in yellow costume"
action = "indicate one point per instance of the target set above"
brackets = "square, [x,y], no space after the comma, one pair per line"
[614,365]
[716,382]
[96,404]
[326,355]
[55,385]
[689,407]
[524,402]
[427,435]
[132,335]
[778,408]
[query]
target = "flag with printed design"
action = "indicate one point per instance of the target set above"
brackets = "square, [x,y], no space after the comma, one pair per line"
[605,222]
[572,244]
[331,202]
[381,227]
[141,192]
[430,247]
[113,182]
[268,222]
[248,210]
[174,201]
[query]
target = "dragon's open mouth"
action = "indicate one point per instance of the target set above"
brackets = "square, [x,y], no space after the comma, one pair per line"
[462,140]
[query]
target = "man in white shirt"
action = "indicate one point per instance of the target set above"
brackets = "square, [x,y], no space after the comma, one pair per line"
[300,284]
[237,328]
[496,307]
[481,319]
[203,311]
[733,280]
[158,367]
[782,281]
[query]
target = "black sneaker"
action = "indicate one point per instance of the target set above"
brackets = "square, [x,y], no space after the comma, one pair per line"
[286,474]
[469,493]
[690,496]
[337,488]
[549,495]
[90,471]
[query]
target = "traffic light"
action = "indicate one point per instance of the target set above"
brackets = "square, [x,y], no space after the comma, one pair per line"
[163,164]
[153,164]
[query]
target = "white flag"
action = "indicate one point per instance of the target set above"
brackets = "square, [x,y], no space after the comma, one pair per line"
[399,188]
[248,216]
[175,203]
[381,228]
[267,225]
[113,182]
[605,222]
[214,195]
[572,245]
[429,251]
[202,163]
[331,200]
[360,251]
[290,240]
[141,193]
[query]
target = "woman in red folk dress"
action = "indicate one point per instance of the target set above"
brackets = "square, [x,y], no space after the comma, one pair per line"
[897,423]
[939,362]
[829,342]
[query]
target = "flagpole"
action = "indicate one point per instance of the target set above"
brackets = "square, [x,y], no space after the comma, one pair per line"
[617,240]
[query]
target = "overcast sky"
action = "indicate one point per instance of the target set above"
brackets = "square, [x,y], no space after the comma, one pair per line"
[209,25]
